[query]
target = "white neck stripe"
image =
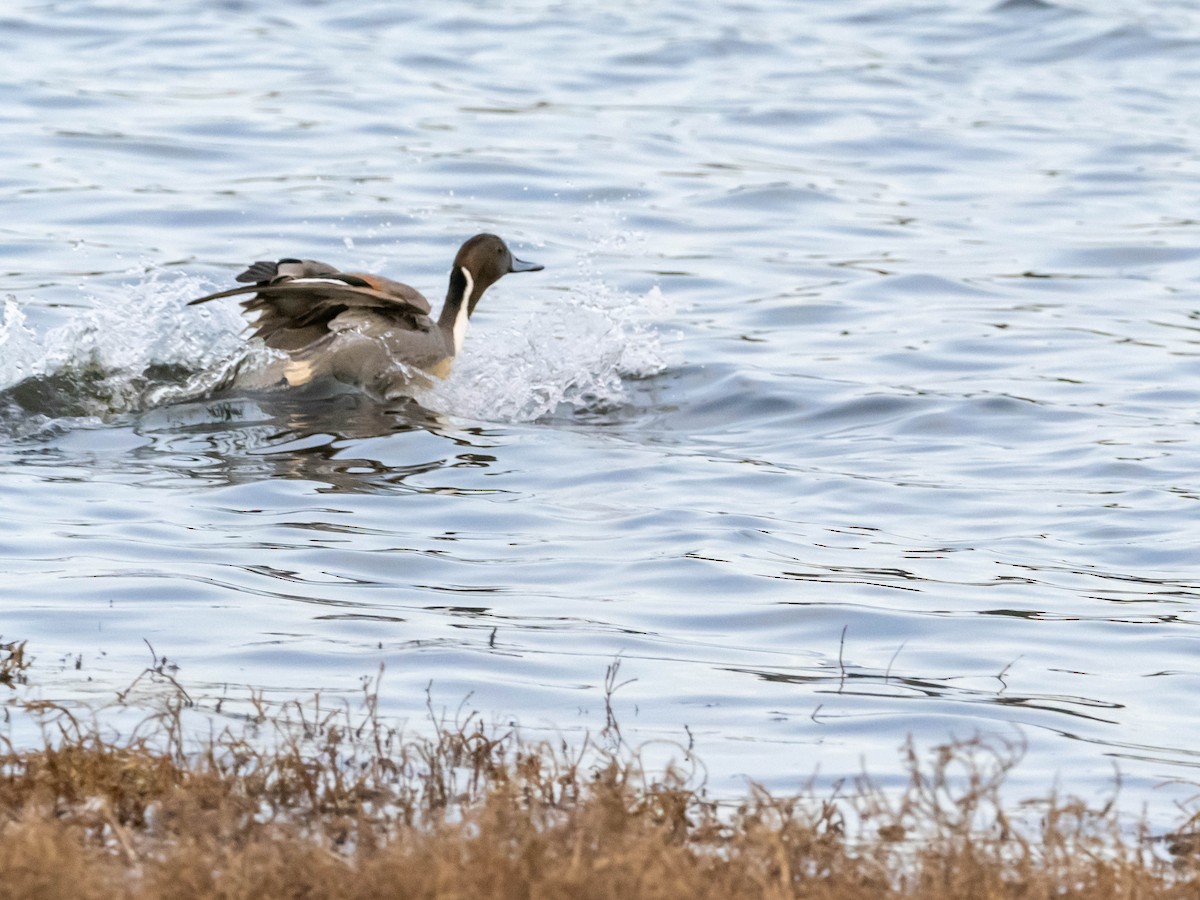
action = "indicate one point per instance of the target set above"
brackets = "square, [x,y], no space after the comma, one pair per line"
[460,320]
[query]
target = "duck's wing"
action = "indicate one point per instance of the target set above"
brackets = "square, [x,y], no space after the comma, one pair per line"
[297,300]
[266,270]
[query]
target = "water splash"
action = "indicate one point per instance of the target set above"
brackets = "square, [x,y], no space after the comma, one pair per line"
[575,355]
[135,348]
[19,352]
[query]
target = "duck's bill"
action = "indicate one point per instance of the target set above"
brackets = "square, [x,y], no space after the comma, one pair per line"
[519,265]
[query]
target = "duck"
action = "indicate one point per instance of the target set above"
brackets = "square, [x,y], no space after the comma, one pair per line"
[362,329]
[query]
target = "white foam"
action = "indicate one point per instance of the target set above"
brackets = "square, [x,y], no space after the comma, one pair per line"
[576,352]
[19,350]
[103,355]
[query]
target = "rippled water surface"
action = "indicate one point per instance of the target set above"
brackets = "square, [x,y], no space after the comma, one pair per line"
[858,397]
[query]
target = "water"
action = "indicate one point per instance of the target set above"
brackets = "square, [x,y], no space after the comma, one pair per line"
[858,397]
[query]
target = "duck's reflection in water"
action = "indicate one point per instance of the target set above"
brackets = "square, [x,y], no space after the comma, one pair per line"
[342,438]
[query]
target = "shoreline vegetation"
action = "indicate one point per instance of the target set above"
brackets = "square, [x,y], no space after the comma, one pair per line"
[309,801]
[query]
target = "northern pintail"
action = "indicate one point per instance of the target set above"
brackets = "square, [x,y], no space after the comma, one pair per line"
[367,329]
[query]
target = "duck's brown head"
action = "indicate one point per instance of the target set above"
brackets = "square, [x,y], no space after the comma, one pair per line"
[485,259]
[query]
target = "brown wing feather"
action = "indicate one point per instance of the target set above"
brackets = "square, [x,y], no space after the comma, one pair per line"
[355,290]
[232,292]
[293,313]
[268,270]
[292,310]
[397,289]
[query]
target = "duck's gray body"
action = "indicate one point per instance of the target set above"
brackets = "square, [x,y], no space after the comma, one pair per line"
[367,329]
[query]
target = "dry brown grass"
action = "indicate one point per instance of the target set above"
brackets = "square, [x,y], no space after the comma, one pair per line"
[13,663]
[312,802]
